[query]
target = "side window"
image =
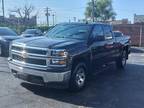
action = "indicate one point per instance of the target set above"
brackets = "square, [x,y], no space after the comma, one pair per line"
[98,33]
[38,32]
[107,32]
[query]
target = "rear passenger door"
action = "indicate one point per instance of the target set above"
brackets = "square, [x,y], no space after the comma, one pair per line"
[109,43]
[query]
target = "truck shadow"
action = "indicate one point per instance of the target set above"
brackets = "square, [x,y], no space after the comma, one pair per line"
[106,88]
[137,50]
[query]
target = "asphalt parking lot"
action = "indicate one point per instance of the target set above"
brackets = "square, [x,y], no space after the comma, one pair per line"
[109,89]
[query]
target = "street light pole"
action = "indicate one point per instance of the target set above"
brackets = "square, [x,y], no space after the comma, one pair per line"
[53,19]
[74,19]
[141,31]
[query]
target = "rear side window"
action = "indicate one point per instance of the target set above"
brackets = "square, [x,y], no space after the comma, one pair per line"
[107,32]
[98,31]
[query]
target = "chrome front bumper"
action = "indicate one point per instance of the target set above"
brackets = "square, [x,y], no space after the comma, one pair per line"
[46,76]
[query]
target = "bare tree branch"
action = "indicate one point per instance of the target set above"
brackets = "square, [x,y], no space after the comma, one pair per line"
[25,12]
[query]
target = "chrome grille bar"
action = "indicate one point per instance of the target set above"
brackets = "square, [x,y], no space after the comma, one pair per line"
[25,58]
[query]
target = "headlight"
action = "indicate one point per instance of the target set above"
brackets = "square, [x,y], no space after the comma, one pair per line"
[60,62]
[59,53]
[59,58]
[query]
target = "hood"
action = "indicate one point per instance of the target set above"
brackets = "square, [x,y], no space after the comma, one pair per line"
[44,42]
[11,38]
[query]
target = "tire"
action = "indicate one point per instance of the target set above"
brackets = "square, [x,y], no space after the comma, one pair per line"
[122,60]
[3,53]
[78,78]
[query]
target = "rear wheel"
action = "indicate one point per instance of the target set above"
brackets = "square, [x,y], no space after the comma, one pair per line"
[78,77]
[122,60]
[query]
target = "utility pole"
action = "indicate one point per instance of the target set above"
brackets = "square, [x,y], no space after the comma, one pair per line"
[74,19]
[55,18]
[141,31]
[69,20]
[47,15]
[3,9]
[93,11]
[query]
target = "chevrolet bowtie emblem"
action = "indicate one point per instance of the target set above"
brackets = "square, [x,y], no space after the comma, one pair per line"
[24,54]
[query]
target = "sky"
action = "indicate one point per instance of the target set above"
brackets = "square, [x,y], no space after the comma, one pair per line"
[67,9]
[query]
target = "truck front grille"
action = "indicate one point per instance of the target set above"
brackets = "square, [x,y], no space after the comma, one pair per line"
[29,50]
[29,60]
[30,56]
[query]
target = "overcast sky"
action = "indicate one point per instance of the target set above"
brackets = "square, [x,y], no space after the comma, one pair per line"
[67,9]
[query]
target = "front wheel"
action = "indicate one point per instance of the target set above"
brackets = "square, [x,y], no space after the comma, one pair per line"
[122,60]
[78,77]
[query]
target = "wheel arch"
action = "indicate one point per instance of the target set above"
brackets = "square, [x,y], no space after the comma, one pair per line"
[81,59]
[126,49]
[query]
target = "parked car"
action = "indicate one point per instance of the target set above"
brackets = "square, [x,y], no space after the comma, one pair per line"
[120,34]
[121,37]
[32,33]
[6,37]
[67,54]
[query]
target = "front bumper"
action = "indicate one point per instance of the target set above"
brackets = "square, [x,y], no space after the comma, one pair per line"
[33,75]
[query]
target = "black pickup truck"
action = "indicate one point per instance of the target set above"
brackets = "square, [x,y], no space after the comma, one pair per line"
[67,54]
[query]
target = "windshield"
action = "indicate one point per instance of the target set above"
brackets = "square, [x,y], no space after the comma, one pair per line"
[7,32]
[70,31]
[118,34]
[29,31]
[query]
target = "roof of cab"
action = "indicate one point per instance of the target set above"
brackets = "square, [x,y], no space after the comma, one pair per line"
[86,23]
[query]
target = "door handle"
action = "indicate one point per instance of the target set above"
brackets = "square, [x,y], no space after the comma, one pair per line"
[108,46]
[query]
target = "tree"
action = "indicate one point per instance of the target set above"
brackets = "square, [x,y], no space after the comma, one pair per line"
[26,17]
[103,10]
[25,13]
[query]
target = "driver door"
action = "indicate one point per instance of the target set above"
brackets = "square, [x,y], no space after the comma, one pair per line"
[97,48]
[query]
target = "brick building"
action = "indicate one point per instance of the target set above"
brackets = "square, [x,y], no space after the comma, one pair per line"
[136,31]
[123,21]
[138,19]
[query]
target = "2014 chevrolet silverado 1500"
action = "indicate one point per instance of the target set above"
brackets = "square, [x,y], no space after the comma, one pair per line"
[67,54]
